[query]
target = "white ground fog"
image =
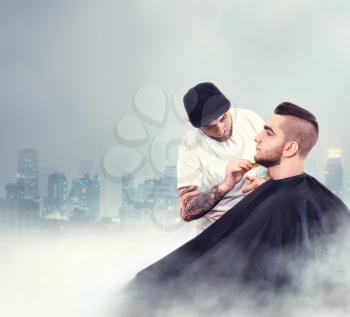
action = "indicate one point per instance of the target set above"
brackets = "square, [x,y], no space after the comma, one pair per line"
[79,275]
[72,275]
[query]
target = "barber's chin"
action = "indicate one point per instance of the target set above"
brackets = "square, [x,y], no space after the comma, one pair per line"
[222,138]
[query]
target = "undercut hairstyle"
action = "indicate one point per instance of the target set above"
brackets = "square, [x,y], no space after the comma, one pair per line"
[301,126]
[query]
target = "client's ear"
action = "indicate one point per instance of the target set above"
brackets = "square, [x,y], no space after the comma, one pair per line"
[290,149]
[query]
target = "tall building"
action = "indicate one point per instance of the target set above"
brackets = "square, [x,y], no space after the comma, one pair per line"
[85,195]
[133,210]
[57,192]
[44,173]
[19,215]
[14,191]
[20,212]
[346,195]
[28,172]
[334,172]
[164,211]
[95,195]
[155,201]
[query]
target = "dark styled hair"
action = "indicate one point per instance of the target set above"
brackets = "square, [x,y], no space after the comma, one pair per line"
[303,128]
[290,109]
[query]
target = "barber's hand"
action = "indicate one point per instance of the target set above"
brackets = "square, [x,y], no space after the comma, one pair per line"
[234,173]
[254,183]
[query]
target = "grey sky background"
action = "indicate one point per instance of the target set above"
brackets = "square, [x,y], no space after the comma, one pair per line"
[69,69]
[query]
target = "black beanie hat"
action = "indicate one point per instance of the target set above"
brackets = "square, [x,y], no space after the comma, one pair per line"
[204,103]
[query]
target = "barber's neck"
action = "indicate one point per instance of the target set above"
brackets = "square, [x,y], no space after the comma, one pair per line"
[287,168]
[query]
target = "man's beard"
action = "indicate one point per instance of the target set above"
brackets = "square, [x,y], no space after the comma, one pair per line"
[267,162]
[270,160]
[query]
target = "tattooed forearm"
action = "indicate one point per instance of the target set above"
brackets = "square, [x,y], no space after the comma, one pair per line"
[194,204]
[204,202]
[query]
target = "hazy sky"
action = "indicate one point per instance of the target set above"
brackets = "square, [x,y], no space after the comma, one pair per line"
[69,69]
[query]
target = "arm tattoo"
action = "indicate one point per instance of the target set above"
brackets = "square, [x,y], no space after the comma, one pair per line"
[194,204]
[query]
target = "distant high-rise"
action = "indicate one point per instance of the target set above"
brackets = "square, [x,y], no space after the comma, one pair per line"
[57,192]
[14,191]
[132,212]
[28,172]
[19,215]
[85,194]
[155,201]
[334,172]
[95,193]
[44,173]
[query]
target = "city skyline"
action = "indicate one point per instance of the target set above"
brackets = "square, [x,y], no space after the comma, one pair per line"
[63,206]
[89,166]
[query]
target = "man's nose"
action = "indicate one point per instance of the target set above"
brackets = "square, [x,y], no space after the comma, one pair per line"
[221,127]
[257,138]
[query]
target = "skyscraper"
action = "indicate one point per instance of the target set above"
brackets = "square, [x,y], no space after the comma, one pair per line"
[28,172]
[334,172]
[133,211]
[154,201]
[85,194]
[94,197]
[57,192]
[14,191]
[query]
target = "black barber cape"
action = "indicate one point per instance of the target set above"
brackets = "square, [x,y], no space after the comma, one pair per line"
[247,246]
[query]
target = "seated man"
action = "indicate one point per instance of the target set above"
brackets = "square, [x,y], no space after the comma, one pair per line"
[283,217]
